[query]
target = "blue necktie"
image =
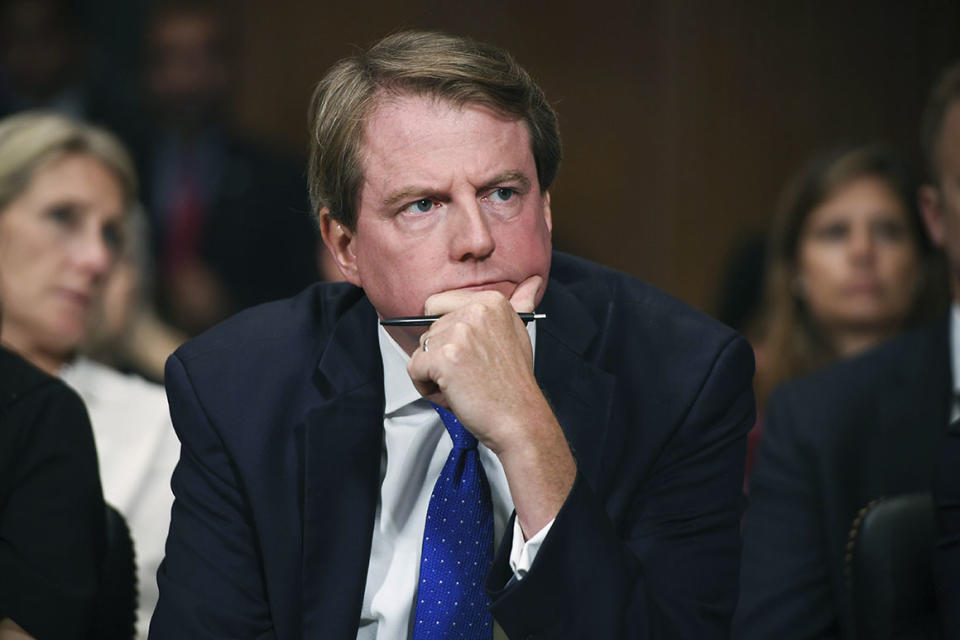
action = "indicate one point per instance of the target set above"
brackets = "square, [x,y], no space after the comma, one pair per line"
[457,546]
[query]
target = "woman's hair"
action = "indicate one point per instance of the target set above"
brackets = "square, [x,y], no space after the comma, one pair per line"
[31,139]
[793,342]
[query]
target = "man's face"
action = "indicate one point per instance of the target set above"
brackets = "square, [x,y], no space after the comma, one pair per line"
[450,200]
[941,203]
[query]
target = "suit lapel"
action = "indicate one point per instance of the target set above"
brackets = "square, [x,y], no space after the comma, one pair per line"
[579,392]
[342,440]
[914,413]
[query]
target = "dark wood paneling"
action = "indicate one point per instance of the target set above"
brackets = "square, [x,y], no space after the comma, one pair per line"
[681,120]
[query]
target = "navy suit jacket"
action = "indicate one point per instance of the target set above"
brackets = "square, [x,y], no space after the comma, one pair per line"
[858,430]
[280,415]
[946,492]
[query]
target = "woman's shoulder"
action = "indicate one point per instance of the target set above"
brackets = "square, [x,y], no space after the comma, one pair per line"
[19,379]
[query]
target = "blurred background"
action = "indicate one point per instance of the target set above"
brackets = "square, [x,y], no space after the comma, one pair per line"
[681,121]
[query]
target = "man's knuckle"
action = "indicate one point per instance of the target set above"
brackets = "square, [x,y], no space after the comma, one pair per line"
[451,351]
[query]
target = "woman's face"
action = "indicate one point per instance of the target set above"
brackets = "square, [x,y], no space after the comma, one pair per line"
[58,241]
[858,262]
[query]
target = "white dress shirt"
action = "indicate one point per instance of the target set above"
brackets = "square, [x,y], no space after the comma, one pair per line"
[137,449]
[955,360]
[416,446]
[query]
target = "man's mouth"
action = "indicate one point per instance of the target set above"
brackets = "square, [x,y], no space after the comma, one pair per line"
[505,287]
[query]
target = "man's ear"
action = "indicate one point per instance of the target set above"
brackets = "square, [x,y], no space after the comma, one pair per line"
[547,216]
[339,241]
[928,198]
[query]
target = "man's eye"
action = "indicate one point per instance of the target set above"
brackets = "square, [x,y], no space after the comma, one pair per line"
[420,206]
[502,194]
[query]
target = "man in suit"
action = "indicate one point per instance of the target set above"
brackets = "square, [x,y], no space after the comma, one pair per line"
[611,433]
[944,220]
[855,432]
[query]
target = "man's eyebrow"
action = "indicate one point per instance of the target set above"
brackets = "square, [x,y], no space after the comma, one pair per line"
[509,176]
[405,193]
[412,191]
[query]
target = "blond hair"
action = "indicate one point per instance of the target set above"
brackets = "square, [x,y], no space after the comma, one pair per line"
[31,139]
[450,68]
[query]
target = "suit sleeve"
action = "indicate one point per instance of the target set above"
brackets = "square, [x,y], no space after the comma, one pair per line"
[210,580]
[947,565]
[667,568]
[785,589]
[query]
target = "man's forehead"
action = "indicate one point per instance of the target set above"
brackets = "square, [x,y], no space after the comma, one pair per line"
[402,113]
[402,130]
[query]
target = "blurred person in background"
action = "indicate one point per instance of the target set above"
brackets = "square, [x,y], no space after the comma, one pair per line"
[126,332]
[740,291]
[43,54]
[65,192]
[229,219]
[941,202]
[850,265]
[865,428]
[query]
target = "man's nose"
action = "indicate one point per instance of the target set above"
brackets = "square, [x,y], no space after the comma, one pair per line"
[471,238]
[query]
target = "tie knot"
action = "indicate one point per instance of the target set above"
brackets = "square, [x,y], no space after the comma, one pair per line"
[462,439]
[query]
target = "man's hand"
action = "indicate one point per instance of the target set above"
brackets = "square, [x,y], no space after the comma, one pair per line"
[479,363]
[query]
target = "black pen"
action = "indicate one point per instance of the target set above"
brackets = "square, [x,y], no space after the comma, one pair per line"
[423,321]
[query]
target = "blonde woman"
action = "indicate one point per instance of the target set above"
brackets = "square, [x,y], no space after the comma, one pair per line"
[66,189]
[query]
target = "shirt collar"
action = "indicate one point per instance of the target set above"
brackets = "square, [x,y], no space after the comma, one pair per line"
[398,389]
[955,345]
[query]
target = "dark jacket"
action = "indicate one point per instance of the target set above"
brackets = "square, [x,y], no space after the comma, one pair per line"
[52,525]
[858,430]
[280,412]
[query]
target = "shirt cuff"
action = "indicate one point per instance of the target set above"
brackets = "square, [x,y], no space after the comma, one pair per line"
[522,554]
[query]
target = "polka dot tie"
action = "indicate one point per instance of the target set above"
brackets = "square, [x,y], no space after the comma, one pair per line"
[457,546]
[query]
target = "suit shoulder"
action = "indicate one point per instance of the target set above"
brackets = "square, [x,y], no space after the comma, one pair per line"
[648,339]
[857,379]
[638,310]
[40,407]
[279,327]
[20,380]
[831,402]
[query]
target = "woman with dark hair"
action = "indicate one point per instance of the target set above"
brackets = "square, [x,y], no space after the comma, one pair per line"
[849,265]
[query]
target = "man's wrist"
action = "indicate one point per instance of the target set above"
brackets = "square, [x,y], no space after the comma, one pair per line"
[540,476]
